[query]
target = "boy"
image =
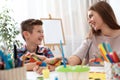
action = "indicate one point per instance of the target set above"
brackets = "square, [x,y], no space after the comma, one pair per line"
[32,33]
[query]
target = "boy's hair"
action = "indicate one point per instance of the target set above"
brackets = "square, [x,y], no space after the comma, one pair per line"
[28,25]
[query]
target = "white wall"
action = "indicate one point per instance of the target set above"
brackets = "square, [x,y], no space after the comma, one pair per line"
[116,7]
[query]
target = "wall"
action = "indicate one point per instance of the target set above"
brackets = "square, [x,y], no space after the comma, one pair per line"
[115,5]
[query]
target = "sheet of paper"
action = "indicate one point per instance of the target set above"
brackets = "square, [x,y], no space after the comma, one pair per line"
[97,69]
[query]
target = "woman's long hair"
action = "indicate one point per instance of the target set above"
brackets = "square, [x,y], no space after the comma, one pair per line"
[107,14]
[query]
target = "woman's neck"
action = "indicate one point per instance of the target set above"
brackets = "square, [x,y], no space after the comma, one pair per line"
[106,31]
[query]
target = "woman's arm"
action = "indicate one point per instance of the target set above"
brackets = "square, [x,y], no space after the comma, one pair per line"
[80,54]
[74,60]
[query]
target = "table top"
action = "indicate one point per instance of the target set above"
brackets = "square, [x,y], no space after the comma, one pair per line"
[98,71]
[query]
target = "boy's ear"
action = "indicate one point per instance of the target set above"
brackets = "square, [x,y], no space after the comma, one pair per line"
[26,34]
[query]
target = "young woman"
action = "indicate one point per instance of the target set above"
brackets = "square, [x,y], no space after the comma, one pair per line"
[104,28]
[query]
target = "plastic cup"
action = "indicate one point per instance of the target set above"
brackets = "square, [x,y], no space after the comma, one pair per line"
[73,72]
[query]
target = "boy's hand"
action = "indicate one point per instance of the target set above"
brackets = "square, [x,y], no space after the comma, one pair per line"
[41,57]
[51,67]
[38,69]
[53,61]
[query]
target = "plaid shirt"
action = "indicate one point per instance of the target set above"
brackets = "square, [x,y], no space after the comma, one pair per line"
[40,51]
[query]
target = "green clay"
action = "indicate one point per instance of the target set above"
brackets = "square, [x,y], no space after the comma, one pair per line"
[76,68]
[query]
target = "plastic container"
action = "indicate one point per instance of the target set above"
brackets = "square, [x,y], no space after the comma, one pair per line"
[73,72]
[112,70]
[13,74]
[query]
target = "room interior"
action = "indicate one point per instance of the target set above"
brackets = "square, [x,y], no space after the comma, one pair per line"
[73,14]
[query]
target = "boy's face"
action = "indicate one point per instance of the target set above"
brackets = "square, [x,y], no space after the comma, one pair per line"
[36,36]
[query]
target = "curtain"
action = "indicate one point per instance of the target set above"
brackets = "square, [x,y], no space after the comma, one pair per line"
[72,12]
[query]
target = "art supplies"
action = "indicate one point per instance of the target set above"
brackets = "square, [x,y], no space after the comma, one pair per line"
[111,61]
[12,70]
[46,73]
[77,72]
[40,78]
[97,76]
[7,61]
[1,64]
[15,56]
[62,54]
[103,52]
[107,53]
[35,58]
[18,73]
[109,49]
[115,57]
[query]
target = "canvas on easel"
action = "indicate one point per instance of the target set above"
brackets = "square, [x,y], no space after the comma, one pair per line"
[53,31]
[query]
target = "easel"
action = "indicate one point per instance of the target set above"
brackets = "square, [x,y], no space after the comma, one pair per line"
[53,45]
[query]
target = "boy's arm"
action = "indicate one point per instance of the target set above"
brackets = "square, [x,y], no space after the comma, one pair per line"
[30,66]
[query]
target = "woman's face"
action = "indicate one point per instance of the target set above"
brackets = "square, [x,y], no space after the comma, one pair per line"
[95,20]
